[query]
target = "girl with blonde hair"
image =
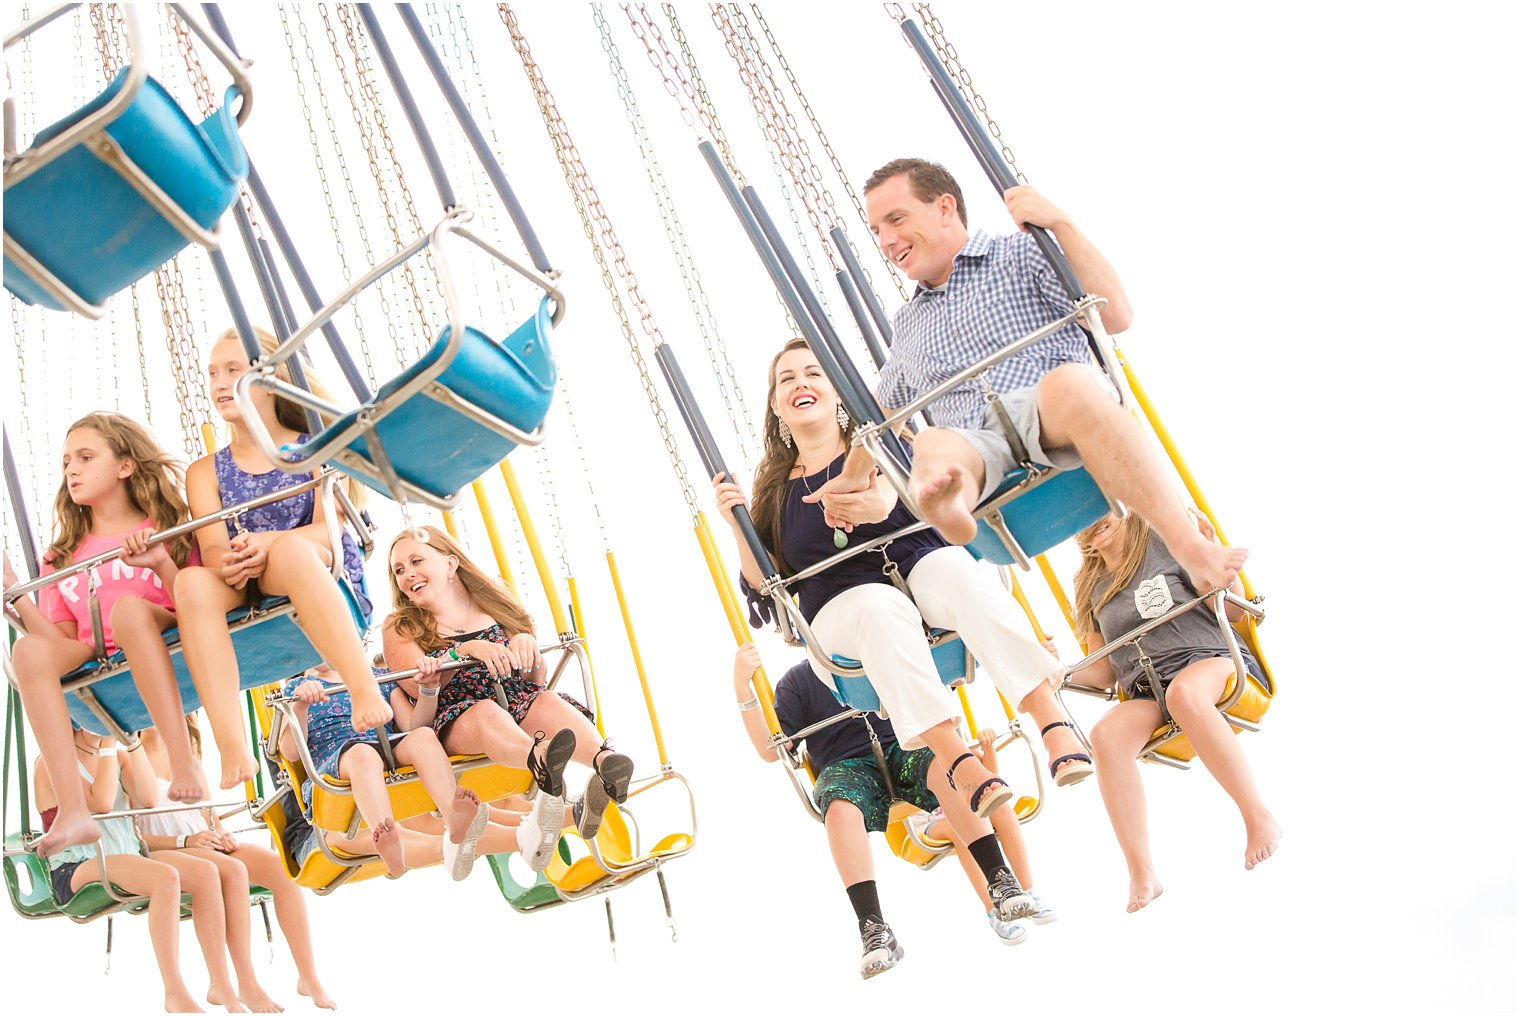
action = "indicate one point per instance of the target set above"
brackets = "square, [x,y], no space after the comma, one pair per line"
[280,549]
[447,608]
[119,488]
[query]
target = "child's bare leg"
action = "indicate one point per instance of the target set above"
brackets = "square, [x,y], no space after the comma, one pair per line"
[299,568]
[422,752]
[969,866]
[1116,740]
[141,876]
[487,729]
[208,912]
[851,850]
[266,869]
[365,773]
[202,601]
[138,627]
[234,882]
[40,660]
[1191,697]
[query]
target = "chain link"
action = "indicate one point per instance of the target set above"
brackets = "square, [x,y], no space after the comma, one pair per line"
[142,354]
[598,228]
[948,56]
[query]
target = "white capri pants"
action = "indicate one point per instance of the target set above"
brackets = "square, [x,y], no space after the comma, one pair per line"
[879,626]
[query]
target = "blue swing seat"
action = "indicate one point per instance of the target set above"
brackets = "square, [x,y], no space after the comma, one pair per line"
[858,693]
[435,446]
[1057,507]
[82,220]
[270,649]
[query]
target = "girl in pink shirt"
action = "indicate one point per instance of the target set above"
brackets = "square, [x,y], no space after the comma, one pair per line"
[119,487]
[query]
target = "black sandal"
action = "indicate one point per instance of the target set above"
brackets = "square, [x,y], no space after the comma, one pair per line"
[1071,773]
[548,766]
[988,797]
[616,772]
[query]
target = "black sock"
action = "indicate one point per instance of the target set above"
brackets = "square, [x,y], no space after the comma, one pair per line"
[863,899]
[988,857]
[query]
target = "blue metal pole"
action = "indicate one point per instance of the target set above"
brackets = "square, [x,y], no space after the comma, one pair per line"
[18,510]
[863,284]
[408,105]
[240,320]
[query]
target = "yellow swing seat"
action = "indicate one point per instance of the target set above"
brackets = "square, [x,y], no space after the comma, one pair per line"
[924,849]
[611,859]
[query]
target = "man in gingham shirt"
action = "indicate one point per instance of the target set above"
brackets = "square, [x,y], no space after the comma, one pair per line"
[977,293]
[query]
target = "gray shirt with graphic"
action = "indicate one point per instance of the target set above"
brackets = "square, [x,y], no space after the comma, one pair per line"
[1158,585]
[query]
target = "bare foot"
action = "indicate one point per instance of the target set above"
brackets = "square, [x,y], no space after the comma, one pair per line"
[237,768]
[190,786]
[388,846]
[68,831]
[1262,835]
[370,710]
[180,1001]
[312,989]
[221,993]
[461,813]
[944,507]
[257,1000]
[1209,565]
[1142,891]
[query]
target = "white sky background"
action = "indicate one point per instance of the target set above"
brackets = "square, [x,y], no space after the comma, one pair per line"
[1310,212]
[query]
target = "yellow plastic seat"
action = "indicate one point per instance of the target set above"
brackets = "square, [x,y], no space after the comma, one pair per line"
[614,845]
[927,850]
[332,807]
[1170,742]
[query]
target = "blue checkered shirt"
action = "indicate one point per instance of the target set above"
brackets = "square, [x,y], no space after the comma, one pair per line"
[1000,289]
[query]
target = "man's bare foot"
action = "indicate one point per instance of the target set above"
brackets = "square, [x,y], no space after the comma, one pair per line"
[1142,891]
[180,1001]
[388,846]
[312,989]
[944,506]
[1209,565]
[221,993]
[1262,834]
[257,1000]
[370,710]
[237,768]
[190,786]
[68,831]
[461,813]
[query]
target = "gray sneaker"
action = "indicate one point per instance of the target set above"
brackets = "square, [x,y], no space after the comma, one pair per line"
[1009,900]
[879,948]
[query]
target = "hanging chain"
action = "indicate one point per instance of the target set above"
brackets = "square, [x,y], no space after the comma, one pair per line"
[962,77]
[597,225]
[316,149]
[142,353]
[707,324]
[828,148]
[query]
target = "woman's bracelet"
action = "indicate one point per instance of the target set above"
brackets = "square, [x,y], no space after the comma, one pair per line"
[753,703]
[180,843]
[428,692]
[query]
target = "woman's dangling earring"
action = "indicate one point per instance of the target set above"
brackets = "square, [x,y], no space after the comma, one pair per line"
[843,418]
[785,431]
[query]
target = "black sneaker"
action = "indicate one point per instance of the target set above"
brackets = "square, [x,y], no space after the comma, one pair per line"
[1009,900]
[879,948]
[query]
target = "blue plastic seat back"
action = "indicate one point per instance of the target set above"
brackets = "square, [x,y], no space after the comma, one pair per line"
[858,692]
[1043,516]
[271,650]
[435,447]
[90,228]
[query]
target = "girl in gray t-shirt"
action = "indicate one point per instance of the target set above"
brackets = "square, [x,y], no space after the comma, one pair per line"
[1127,578]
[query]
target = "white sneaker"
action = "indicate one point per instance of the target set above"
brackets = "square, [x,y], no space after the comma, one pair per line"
[1009,932]
[538,832]
[1045,913]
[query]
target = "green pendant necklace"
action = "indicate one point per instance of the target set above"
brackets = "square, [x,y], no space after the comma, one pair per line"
[841,538]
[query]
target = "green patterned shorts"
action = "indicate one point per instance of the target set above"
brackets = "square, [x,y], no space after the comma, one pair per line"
[859,781]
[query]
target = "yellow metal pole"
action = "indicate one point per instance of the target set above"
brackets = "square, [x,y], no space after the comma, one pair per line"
[545,577]
[1056,590]
[736,622]
[208,437]
[638,660]
[1172,452]
[966,708]
[579,619]
[497,548]
[451,525]
[1018,594]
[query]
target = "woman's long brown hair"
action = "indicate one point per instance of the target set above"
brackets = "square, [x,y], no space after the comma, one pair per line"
[154,487]
[1093,571]
[418,625]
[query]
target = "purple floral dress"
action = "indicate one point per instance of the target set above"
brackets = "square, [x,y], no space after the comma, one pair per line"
[237,486]
[469,685]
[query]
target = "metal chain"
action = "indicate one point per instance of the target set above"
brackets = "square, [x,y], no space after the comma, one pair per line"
[598,228]
[696,295]
[828,148]
[314,140]
[168,310]
[952,62]
[142,354]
